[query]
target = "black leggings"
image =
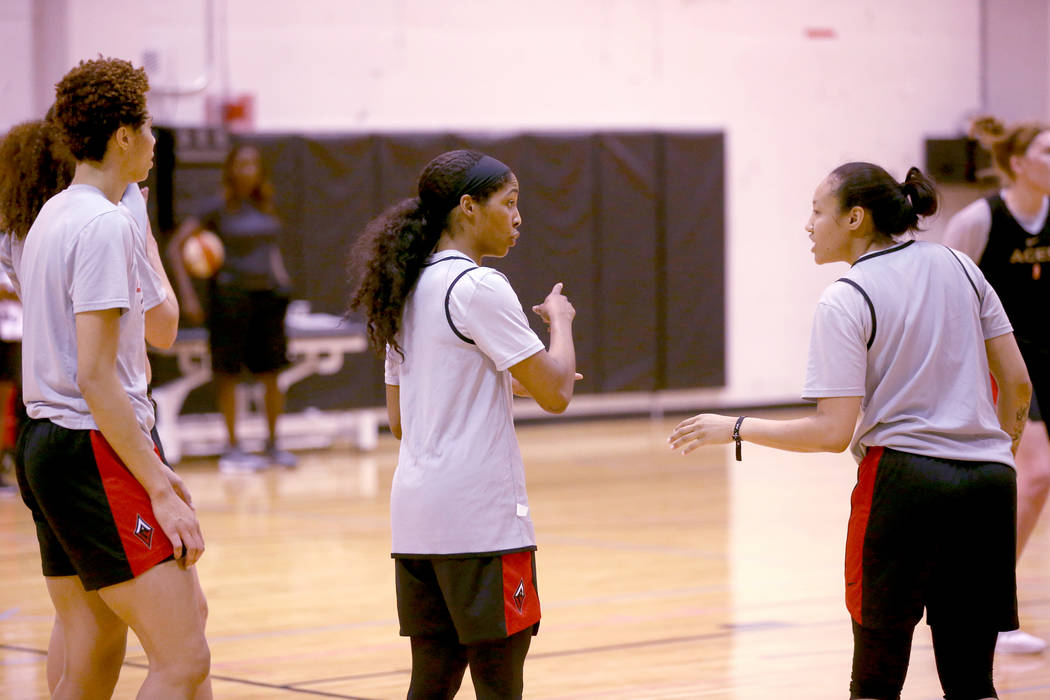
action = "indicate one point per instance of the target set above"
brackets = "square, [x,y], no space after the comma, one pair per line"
[963,655]
[496,666]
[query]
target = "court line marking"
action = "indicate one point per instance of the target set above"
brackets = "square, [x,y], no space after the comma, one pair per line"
[550,654]
[226,679]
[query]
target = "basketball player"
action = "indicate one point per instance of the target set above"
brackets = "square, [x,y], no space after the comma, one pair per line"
[116,529]
[35,166]
[909,334]
[456,340]
[1008,235]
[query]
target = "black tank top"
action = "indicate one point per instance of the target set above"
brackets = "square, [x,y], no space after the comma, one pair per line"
[1017,265]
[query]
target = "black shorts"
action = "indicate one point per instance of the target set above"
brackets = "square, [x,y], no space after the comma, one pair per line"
[246,330]
[477,598]
[931,533]
[93,518]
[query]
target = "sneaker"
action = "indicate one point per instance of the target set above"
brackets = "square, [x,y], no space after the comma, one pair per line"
[237,460]
[7,489]
[1019,642]
[282,458]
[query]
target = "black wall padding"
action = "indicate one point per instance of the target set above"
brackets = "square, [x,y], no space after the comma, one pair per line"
[632,222]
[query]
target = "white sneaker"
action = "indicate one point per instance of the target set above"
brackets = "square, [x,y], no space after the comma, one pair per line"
[236,460]
[1019,642]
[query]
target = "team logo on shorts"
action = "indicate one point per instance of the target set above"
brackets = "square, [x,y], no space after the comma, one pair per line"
[144,531]
[519,595]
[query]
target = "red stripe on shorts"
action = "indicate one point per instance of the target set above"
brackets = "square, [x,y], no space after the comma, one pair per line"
[860,509]
[521,603]
[145,544]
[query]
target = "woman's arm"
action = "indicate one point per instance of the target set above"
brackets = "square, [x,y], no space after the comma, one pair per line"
[549,375]
[162,321]
[279,270]
[1015,389]
[191,305]
[97,337]
[393,408]
[828,429]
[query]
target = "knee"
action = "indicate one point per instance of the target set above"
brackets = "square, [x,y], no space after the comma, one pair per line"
[187,669]
[93,663]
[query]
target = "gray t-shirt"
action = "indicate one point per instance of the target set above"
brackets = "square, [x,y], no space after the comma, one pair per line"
[925,381]
[459,487]
[250,239]
[79,255]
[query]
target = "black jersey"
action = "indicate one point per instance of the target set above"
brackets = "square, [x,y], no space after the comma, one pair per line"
[1013,262]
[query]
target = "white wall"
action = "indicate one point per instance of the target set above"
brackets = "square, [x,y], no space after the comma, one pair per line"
[792,105]
[16,59]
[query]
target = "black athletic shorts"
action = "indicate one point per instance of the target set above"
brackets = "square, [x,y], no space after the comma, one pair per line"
[93,518]
[931,533]
[246,330]
[478,598]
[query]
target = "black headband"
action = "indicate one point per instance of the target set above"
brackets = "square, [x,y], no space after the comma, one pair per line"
[485,172]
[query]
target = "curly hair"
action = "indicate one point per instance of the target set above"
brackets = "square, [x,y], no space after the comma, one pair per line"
[1003,142]
[386,260]
[94,100]
[261,194]
[34,166]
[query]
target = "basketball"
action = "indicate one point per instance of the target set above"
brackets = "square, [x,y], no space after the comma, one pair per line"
[203,254]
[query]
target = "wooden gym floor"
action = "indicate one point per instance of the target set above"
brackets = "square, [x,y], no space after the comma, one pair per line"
[661,576]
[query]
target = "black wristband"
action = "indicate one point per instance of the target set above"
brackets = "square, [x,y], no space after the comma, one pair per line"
[736,436]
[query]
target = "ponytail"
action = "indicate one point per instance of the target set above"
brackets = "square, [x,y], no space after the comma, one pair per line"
[385,263]
[1002,142]
[895,208]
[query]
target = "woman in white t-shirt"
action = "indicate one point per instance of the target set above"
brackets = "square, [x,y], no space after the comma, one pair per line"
[905,342]
[1007,234]
[116,528]
[457,343]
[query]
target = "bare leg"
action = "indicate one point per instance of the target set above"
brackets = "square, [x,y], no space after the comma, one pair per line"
[56,652]
[204,691]
[274,401]
[91,638]
[226,386]
[1033,480]
[155,605]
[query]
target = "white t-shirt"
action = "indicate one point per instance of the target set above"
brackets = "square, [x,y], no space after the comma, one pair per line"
[459,487]
[153,292]
[79,255]
[924,381]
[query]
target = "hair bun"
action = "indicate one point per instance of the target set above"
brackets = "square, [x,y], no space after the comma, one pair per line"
[987,129]
[920,191]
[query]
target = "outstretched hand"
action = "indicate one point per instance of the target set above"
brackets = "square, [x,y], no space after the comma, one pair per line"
[702,429]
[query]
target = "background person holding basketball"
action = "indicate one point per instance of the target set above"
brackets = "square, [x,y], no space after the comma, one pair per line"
[247,300]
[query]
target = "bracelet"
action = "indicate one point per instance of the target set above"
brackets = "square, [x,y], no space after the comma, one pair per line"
[736,436]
